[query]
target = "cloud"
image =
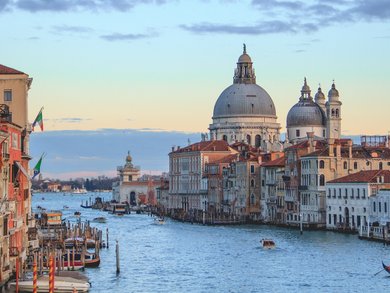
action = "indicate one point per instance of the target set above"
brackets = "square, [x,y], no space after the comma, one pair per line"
[372,10]
[71,29]
[76,5]
[68,120]
[127,37]
[268,4]
[266,27]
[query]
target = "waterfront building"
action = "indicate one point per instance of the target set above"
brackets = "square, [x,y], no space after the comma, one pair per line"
[308,115]
[380,205]
[273,190]
[245,112]
[187,187]
[352,200]
[130,189]
[16,219]
[336,159]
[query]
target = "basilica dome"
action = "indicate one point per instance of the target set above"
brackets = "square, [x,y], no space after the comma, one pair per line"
[306,112]
[244,100]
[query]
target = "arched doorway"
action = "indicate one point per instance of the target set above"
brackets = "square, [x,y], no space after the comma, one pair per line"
[133,200]
[346,216]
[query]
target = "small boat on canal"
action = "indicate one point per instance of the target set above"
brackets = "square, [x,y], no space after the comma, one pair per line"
[268,243]
[159,221]
[99,220]
[386,268]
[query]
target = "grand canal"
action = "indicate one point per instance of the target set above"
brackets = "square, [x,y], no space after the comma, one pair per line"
[180,257]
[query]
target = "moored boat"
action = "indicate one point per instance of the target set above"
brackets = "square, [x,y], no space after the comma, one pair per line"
[268,243]
[61,285]
[159,221]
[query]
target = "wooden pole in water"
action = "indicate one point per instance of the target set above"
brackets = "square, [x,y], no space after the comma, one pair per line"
[117,258]
[107,236]
[68,258]
[73,253]
[51,274]
[35,275]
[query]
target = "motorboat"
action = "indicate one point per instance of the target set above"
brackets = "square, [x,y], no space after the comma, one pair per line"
[79,191]
[268,243]
[159,221]
[78,241]
[61,285]
[99,220]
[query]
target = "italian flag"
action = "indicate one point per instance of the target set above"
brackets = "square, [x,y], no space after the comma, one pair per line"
[38,120]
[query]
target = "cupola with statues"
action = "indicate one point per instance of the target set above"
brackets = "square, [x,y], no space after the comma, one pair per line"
[129,172]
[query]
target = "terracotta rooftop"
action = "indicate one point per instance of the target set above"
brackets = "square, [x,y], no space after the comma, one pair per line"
[358,152]
[275,163]
[369,176]
[225,160]
[205,146]
[8,70]
[320,144]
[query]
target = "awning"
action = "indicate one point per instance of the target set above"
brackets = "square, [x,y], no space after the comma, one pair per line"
[21,168]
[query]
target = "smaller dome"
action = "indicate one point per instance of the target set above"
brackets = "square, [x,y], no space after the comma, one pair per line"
[333,92]
[319,95]
[244,58]
[306,113]
[305,88]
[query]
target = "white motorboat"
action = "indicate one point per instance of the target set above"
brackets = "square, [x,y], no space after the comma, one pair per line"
[268,243]
[61,285]
[159,221]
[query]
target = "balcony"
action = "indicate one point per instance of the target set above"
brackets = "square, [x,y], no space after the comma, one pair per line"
[303,187]
[5,156]
[26,156]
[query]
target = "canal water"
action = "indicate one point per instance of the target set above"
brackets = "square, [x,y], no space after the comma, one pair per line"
[181,257]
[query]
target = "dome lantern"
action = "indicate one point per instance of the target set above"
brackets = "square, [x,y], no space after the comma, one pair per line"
[244,73]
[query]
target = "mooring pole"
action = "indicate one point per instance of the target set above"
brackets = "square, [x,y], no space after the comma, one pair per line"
[117,258]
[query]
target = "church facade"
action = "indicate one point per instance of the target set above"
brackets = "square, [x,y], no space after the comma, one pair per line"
[245,112]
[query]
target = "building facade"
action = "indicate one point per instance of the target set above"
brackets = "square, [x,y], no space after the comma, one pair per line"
[245,112]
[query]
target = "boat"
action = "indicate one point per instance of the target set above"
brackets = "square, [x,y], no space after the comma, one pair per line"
[118,208]
[78,241]
[159,221]
[91,260]
[77,214]
[79,191]
[99,220]
[61,285]
[267,243]
[386,268]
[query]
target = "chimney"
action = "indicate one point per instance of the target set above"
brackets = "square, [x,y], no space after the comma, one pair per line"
[331,145]
[173,149]
[338,150]
[350,149]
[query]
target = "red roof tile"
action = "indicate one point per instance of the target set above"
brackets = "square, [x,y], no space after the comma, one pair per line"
[8,70]
[275,163]
[205,146]
[369,176]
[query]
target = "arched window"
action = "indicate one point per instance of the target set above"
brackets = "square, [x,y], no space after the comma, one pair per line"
[224,137]
[252,199]
[322,164]
[257,141]
[337,112]
[322,180]
[252,183]
[345,165]
[355,165]
[380,165]
[333,112]
[248,139]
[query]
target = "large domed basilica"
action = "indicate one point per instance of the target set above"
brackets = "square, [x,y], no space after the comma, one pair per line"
[245,112]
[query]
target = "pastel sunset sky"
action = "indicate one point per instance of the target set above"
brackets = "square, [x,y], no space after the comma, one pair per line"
[161,65]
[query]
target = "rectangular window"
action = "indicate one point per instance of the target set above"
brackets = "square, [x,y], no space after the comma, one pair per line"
[7,95]
[252,169]
[297,133]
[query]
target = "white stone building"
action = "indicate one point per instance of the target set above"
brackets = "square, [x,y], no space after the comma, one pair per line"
[245,112]
[308,115]
[351,200]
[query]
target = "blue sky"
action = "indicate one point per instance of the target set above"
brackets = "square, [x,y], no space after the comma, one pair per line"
[161,65]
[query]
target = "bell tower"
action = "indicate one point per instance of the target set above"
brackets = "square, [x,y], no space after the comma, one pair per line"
[333,113]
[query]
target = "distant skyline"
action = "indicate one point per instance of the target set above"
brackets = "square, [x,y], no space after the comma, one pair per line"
[161,65]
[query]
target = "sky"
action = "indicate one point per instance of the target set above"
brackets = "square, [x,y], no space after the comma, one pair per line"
[152,66]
